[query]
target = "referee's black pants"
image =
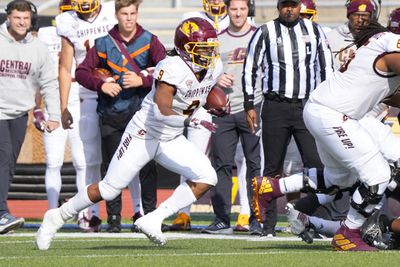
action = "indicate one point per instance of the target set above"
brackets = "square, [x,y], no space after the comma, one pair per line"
[223,150]
[282,119]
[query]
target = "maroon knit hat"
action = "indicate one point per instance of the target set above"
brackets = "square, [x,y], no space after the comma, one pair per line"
[360,6]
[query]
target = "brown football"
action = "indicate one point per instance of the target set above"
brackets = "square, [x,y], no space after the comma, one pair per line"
[103,74]
[216,98]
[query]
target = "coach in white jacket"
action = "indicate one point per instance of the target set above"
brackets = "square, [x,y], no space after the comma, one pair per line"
[25,65]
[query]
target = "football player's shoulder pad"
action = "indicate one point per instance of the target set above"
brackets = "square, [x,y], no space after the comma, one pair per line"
[167,70]
[108,9]
[64,22]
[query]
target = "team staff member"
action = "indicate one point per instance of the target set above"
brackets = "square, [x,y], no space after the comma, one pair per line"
[294,56]
[118,101]
[233,44]
[25,65]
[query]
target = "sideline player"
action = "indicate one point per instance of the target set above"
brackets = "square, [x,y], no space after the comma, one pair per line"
[53,142]
[232,127]
[359,13]
[78,29]
[214,11]
[155,132]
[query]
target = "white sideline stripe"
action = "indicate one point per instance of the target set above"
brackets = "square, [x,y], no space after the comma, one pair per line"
[182,254]
[169,235]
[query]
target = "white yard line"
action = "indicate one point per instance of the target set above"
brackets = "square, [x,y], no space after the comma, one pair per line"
[135,255]
[216,254]
[169,235]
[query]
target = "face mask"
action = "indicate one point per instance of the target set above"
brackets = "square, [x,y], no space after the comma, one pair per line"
[194,67]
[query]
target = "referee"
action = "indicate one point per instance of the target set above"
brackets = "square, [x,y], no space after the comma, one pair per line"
[293,56]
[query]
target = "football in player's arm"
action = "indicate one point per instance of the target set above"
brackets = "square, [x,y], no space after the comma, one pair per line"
[155,132]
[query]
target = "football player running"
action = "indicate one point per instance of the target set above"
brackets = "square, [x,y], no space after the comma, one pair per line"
[155,132]
[215,12]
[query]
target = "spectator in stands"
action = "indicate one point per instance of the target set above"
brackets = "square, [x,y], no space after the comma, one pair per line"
[26,64]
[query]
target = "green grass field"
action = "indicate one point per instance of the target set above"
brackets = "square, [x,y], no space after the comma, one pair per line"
[183,249]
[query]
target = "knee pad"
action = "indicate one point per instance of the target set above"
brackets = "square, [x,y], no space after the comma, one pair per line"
[367,198]
[107,191]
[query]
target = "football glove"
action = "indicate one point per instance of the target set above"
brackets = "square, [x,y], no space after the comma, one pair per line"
[38,120]
[198,124]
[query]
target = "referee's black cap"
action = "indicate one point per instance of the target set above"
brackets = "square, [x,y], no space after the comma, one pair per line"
[293,1]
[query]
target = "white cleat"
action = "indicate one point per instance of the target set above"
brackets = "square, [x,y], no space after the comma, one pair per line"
[52,222]
[151,227]
[298,221]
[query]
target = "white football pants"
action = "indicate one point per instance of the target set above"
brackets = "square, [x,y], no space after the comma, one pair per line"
[346,148]
[178,155]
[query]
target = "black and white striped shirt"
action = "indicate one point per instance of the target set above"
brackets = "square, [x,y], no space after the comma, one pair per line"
[293,60]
